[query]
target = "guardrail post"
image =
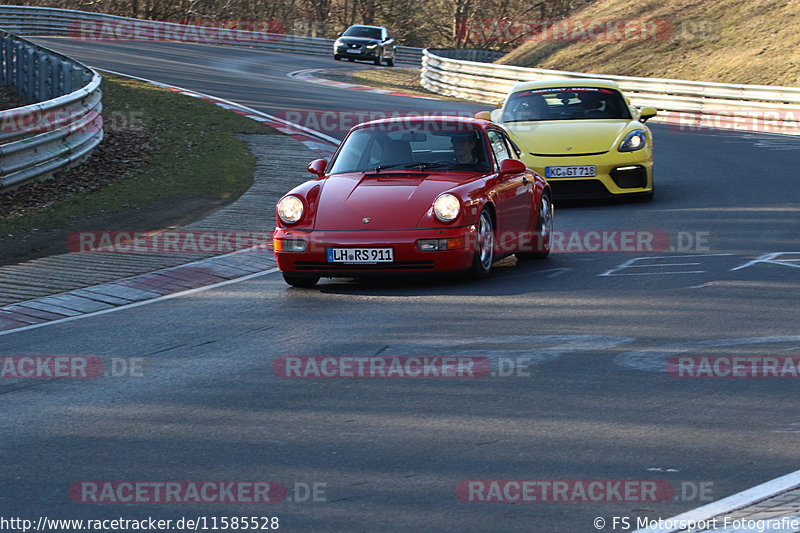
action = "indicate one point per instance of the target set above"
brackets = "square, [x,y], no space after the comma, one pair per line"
[64,77]
[3,62]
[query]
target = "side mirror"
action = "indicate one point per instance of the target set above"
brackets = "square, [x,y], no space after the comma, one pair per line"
[317,167]
[339,34]
[646,113]
[511,166]
[499,104]
[485,115]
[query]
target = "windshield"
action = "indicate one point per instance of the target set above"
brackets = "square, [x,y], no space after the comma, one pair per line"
[419,146]
[565,103]
[363,31]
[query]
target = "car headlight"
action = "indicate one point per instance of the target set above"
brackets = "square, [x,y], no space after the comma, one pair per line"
[290,209]
[446,207]
[633,141]
[371,46]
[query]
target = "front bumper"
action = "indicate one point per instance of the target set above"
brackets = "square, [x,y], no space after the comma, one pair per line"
[361,53]
[617,174]
[407,258]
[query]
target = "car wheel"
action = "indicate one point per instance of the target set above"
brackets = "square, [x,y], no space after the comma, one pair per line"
[390,62]
[379,58]
[337,57]
[304,282]
[350,59]
[543,238]
[484,252]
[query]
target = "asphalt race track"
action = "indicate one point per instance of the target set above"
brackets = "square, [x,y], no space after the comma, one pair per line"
[588,333]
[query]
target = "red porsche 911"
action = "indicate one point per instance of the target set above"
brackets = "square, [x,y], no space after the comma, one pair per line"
[426,194]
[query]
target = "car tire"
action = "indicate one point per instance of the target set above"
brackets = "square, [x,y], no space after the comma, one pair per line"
[303,282]
[378,58]
[484,252]
[390,62]
[350,59]
[337,57]
[543,237]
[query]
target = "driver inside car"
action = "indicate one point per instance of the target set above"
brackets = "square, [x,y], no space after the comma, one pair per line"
[463,146]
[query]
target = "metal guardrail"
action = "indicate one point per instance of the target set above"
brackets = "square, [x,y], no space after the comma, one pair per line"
[687,103]
[58,131]
[477,55]
[44,21]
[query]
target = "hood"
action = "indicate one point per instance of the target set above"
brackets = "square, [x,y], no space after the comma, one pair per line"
[391,201]
[564,137]
[357,40]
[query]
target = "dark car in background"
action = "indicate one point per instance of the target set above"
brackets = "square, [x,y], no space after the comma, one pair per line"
[371,43]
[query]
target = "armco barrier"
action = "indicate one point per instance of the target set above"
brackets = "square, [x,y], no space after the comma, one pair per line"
[687,103]
[62,127]
[44,21]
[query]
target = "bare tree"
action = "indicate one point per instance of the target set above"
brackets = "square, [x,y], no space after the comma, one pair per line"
[422,23]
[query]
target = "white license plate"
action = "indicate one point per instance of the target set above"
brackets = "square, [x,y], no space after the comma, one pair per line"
[360,256]
[582,171]
[353,51]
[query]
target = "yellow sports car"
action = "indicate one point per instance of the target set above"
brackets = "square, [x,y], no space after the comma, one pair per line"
[583,136]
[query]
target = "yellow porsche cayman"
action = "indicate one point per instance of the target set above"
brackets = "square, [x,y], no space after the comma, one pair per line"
[583,136]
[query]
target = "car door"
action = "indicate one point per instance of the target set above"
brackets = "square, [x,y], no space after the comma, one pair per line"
[514,196]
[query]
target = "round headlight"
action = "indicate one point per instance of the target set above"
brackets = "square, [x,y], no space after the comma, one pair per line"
[290,209]
[446,207]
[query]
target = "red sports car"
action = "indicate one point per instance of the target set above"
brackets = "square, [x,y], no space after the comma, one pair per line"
[424,194]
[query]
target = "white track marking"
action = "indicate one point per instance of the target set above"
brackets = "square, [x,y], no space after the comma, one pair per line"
[140,303]
[731,503]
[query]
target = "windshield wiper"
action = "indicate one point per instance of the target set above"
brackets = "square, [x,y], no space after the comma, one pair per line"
[416,166]
[384,167]
[427,164]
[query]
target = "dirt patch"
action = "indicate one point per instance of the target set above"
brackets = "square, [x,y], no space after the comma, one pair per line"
[120,154]
[9,98]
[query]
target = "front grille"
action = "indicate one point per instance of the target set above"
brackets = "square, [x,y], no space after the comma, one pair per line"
[569,155]
[578,189]
[307,266]
[630,178]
